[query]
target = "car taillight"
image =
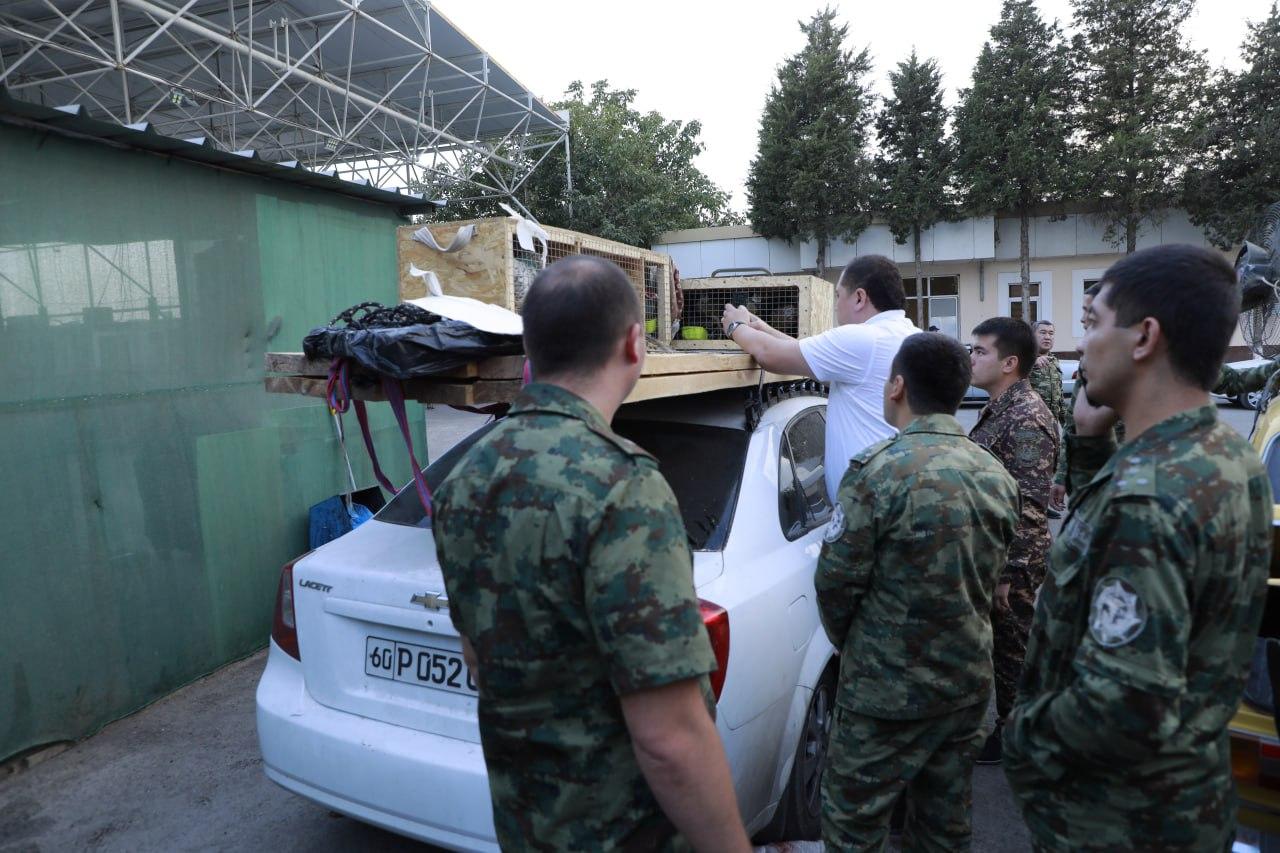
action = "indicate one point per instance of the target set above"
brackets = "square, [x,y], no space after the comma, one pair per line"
[716,619]
[284,629]
[1255,763]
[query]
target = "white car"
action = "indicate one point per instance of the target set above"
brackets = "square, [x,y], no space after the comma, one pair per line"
[366,706]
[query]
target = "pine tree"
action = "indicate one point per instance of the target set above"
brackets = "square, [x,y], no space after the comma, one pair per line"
[1012,124]
[1139,84]
[1235,172]
[811,178]
[913,168]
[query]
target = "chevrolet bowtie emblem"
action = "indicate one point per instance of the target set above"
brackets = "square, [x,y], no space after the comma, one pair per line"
[431,600]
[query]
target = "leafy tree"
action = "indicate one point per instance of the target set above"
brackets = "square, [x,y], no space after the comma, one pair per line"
[1139,84]
[913,168]
[811,177]
[1235,173]
[633,173]
[1012,124]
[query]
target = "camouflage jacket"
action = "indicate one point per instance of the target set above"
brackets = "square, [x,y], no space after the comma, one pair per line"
[1233,382]
[568,568]
[908,569]
[1047,382]
[1141,641]
[1019,429]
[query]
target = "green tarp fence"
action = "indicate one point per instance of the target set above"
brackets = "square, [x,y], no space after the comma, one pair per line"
[150,489]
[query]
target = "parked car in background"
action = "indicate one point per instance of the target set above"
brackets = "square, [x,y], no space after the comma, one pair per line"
[366,705]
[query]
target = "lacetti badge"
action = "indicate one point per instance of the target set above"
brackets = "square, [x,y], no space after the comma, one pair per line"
[431,600]
[313,585]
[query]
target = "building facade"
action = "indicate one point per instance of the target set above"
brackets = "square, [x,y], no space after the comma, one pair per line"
[970,267]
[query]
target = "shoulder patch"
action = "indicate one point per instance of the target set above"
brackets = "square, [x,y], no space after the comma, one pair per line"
[1118,614]
[1135,475]
[835,527]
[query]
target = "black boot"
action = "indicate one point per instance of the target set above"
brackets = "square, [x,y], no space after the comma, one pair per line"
[991,750]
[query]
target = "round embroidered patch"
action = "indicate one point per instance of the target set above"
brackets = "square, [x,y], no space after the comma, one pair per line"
[835,527]
[1117,615]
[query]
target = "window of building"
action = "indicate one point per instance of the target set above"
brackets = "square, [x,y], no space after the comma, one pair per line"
[1033,300]
[941,297]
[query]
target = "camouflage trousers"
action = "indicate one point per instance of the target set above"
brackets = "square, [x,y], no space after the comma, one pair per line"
[871,761]
[1010,630]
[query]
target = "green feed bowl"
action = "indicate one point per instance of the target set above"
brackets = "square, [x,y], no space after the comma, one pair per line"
[650,327]
[693,333]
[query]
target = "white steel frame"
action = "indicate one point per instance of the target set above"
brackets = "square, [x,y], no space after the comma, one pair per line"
[359,87]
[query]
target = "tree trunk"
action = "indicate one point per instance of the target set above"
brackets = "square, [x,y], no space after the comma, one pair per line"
[1024,261]
[1130,234]
[821,263]
[919,280]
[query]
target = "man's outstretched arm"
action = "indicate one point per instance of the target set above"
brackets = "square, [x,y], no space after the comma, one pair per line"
[774,351]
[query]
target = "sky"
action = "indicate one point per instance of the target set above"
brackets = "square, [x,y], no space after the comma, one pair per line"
[714,61]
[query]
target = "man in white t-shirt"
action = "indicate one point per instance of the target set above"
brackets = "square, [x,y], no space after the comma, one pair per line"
[854,357]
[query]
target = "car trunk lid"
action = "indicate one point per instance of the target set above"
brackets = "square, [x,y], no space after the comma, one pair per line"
[378,642]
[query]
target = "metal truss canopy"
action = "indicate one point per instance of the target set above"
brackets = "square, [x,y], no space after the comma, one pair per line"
[388,91]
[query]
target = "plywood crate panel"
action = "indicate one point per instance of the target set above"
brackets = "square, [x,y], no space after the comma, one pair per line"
[494,268]
[798,305]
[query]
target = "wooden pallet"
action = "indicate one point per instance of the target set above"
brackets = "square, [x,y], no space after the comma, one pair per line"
[498,380]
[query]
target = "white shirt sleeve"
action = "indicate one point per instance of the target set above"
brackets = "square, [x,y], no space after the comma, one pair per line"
[838,355]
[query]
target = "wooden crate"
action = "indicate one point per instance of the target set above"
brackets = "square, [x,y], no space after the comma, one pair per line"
[799,305]
[494,268]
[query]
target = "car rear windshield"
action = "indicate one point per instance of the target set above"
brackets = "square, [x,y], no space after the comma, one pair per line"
[703,464]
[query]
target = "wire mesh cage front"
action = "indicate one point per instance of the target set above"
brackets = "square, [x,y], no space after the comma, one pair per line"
[527,264]
[703,308]
[645,276]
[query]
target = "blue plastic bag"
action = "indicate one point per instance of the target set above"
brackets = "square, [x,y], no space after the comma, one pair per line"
[332,518]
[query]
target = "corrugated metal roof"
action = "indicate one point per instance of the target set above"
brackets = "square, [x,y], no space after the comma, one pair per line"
[75,119]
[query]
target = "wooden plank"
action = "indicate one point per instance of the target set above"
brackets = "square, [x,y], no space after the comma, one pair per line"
[512,366]
[445,393]
[653,387]
[297,364]
[504,391]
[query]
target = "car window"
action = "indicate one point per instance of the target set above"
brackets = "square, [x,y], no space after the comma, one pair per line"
[802,491]
[703,464]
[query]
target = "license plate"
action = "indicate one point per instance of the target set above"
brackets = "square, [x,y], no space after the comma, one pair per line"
[424,666]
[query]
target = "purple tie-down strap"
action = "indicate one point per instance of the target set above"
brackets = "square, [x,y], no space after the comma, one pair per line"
[395,395]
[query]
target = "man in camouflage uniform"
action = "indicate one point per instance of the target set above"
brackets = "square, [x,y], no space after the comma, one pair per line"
[1020,430]
[904,584]
[1147,621]
[1046,373]
[1236,382]
[570,580]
